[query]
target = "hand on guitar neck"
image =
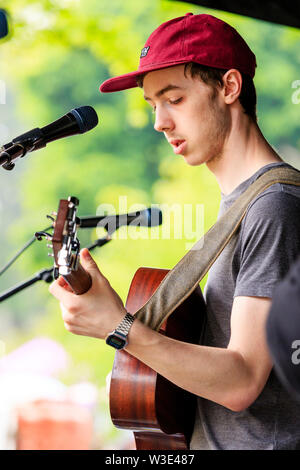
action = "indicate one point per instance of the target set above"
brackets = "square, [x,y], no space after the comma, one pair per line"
[89,305]
[94,313]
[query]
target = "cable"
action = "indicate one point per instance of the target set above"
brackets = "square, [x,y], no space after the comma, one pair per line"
[27,245]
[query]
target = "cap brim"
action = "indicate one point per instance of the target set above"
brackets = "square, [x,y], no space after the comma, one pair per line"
[124,82]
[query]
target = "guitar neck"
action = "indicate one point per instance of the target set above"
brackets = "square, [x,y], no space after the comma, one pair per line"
[80,281]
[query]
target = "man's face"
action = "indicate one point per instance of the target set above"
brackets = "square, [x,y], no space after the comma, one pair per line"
[191,114]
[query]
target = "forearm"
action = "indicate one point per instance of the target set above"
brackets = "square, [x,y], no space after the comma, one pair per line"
[218,374]
[232,377]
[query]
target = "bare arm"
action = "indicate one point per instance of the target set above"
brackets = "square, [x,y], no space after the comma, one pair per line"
[232,376]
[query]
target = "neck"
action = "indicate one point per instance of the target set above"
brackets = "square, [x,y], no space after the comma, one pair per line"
[245,151]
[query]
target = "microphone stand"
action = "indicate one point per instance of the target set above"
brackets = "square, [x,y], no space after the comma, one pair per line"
[43,275]
[13,150]
[46,275]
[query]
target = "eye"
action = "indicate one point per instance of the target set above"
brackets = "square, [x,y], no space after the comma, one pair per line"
[175,101]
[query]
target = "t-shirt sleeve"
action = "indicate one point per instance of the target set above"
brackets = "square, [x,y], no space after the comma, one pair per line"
[269,243]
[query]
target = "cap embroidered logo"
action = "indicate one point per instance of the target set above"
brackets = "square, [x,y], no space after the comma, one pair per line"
[144,52]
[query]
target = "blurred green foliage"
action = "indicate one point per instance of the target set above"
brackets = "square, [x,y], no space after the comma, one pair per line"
[59,54]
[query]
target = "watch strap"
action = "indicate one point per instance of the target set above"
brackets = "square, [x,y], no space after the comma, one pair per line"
[125,324]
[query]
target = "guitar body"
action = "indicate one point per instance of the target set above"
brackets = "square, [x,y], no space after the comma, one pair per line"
[160,414]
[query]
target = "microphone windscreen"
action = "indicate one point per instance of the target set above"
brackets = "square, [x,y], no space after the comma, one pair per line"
[86,118]
[154,217]
[150,217]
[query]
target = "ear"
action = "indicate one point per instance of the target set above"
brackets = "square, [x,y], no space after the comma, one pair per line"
[232,80]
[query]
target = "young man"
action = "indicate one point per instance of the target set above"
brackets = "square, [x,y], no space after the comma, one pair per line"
[196,72]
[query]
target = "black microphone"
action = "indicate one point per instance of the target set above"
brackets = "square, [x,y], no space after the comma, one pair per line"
[77,121]
[150,217]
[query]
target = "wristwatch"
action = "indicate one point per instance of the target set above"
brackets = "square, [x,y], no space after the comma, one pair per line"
[118,338]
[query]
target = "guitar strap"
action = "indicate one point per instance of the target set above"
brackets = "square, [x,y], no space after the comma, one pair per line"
[180,281]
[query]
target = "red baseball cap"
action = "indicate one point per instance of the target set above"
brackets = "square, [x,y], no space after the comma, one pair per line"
[203,39]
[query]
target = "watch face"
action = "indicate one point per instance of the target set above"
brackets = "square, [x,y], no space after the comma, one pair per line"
[116,341]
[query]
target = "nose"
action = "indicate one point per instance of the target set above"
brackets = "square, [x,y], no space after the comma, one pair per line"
[163,121]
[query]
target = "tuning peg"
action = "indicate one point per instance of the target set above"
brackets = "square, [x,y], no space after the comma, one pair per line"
[49,245]
[39,236]
[51,254]
[74,200]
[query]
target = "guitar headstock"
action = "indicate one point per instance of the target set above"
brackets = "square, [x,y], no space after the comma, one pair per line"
[64,242]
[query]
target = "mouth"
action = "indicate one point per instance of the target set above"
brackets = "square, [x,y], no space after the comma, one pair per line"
[178,145]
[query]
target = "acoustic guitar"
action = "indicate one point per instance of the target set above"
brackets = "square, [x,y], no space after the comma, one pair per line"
[160,414]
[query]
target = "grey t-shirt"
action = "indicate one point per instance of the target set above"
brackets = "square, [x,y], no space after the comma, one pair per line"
[259,255]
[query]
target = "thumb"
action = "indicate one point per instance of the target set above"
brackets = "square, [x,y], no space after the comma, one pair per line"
[88,262]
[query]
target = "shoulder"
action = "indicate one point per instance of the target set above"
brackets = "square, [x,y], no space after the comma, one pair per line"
[278,202]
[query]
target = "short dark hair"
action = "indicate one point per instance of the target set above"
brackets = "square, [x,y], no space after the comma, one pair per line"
[214,77]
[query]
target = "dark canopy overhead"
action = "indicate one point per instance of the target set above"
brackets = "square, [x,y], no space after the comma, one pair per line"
[277,11]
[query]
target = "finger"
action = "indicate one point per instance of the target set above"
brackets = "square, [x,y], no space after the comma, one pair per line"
[60,293]
[63,283]
[67,317]
[88,262]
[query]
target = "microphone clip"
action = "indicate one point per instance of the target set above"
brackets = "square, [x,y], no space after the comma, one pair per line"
[9,153]
[19,147]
